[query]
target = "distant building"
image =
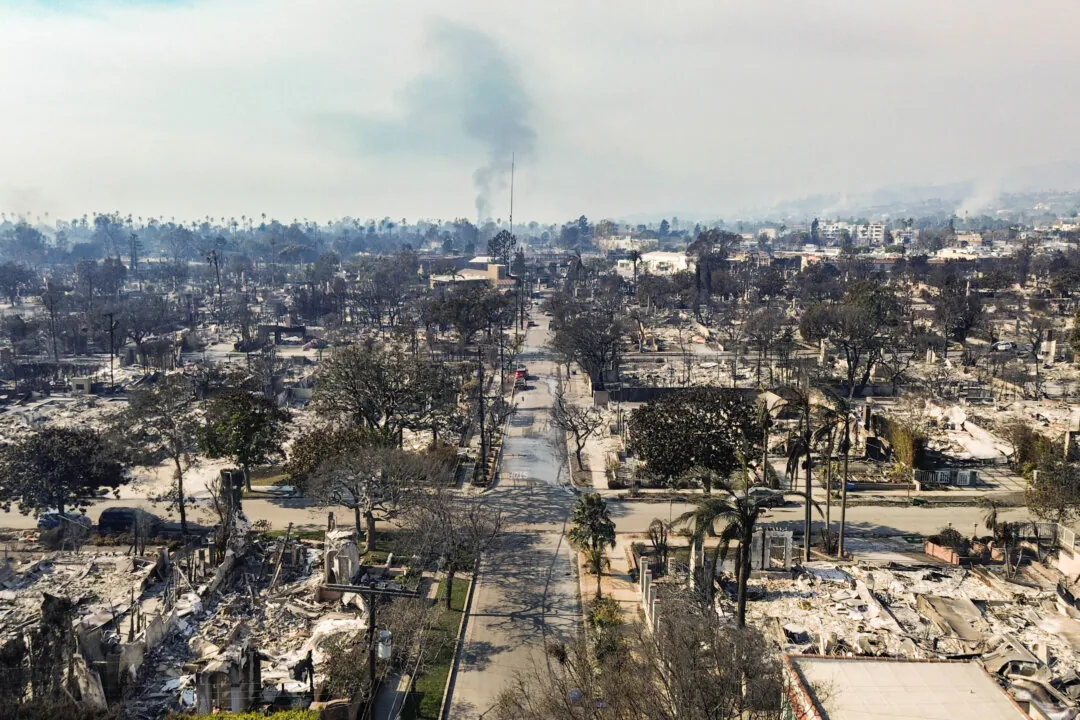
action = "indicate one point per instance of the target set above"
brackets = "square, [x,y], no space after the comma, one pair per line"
[905,236]
[493,275]
[831,231]
[657,263]
[848,688]
[968,240]
[869,235]
[627,243]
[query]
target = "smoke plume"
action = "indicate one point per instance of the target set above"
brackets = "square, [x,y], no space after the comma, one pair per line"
[495,106]
[472,96]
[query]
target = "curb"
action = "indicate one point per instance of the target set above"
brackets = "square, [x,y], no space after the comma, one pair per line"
[448,689]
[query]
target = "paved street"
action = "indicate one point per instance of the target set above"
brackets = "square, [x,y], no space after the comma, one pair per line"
[526,592]
[863,520]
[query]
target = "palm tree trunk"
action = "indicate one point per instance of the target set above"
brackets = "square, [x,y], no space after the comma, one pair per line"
[843,492]
[599,567]
[828,485]
[744,574]
[807,524]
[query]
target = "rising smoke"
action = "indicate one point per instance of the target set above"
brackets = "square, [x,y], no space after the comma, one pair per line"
[495,107]
[471,97]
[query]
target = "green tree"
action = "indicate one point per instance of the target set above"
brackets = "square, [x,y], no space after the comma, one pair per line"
[708,428]
[58,468]
[317,445]
[248,429]
[501,247]
[13,279]
[634,257]
[592,532]
[161,424]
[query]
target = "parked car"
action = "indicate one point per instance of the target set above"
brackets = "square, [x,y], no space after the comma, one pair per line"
[1003,345]
[521,373]
[53,520]
[766,497]
[120,520]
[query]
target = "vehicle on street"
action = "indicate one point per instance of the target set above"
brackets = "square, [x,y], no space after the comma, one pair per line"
[53,520]
[120,520]
[766,497]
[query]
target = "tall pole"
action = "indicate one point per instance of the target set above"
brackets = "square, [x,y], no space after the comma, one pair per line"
[371,655]
[112,346]
[808,520]
[511,193]
[843,493]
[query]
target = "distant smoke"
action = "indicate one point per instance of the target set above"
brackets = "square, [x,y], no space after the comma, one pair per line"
[495,107]
[471,95]
[982,199]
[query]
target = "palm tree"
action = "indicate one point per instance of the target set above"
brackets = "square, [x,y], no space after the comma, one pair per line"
[740,511]
[801,446]
[829,423]
[635,258]
[593,532]
[1005,533]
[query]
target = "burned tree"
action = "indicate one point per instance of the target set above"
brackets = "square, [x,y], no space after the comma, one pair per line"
[579,422]
[161,424]
[375,481]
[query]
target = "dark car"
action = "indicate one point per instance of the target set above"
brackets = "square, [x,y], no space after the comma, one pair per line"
[120,520]
[53,520]
[766,497]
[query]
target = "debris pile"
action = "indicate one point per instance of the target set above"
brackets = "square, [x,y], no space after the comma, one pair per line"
[1015,626]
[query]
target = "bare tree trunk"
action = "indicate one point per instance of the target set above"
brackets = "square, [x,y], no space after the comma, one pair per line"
[180,496]
[449,584]
[843,492]
[808,525]
[369,531]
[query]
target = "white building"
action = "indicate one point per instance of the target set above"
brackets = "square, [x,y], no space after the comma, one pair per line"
[627,243]
[656,263]
[870,234]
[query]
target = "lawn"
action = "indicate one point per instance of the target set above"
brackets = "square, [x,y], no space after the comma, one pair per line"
[269,475]
[440,641]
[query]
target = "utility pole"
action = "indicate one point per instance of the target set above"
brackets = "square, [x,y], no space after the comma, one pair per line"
[843,493]
[483,434]
[112,347]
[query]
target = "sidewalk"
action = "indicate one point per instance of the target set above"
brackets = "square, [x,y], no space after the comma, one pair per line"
[615,582]
[599,446]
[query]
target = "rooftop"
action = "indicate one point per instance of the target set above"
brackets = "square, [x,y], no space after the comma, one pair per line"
[858,689]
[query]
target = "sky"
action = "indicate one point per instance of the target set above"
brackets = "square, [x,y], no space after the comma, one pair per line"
[328,108]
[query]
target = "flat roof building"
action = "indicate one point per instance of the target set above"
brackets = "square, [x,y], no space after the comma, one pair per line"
[839,688]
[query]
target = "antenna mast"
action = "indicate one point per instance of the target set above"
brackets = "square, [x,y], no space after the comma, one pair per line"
[511,193]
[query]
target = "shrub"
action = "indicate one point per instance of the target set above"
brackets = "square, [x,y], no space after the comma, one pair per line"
[951,538]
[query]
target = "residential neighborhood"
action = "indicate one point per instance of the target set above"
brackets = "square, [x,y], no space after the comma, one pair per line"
[539,362]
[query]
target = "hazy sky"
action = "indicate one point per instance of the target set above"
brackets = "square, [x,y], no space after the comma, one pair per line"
[406,108]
